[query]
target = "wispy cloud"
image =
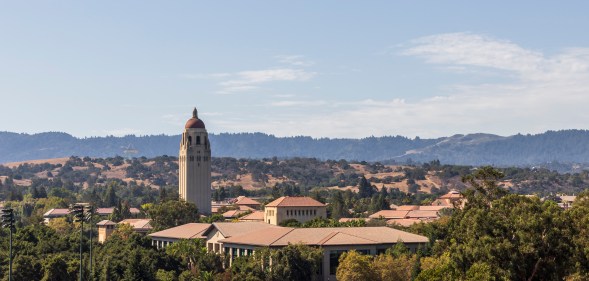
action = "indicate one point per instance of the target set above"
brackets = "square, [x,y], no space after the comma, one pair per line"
[544,92]
[295,60]
[252,79]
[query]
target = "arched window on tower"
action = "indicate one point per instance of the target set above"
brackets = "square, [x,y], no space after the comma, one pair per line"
[197,139]
[189,140]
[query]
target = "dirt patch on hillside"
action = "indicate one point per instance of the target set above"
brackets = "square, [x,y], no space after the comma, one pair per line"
[53,161]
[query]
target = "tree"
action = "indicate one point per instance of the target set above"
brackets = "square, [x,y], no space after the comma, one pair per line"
[439,268]
[172,213]
[354,266]
[195,256]
[579,215]
[338,207]
[365,190]
[295,262]
[388,267]
[110,196]
[27,267]
[518,237]
[55,268]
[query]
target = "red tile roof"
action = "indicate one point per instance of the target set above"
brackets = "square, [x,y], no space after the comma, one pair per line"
[185,231]
[138,224]
[233,213]
[106,222]
[254,216]
[282,236]
[53,213]
[389,214]
[242,200]
[287,201]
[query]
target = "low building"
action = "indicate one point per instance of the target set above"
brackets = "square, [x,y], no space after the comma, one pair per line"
[566,201]
[255,216]
[168,236]
[407,217]
[105,229]
[108,211]
[223,230]
[333,242]
[449,199]
[248,202]
[389,214]
[55,213]
[233,214]
[142,226]
[302,209]
[236,239]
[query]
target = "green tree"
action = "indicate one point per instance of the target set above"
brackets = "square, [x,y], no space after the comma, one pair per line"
[520,238]
[110,196]
[296,262]
[365,189]
[172,213]
[27,267]
[354,266]
[55,268]
[388,267]
[195,256]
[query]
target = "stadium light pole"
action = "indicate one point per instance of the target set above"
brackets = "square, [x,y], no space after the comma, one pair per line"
[89,214]
[8,222]
[78,212]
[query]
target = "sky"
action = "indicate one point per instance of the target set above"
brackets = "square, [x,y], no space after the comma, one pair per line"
[336,69]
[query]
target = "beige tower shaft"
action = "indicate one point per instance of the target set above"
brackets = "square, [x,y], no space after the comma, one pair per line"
[195,165]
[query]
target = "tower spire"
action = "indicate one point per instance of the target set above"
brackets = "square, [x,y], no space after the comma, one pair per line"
[195,113]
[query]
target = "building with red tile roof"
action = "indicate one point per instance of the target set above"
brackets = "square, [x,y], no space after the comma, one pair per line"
[302,209]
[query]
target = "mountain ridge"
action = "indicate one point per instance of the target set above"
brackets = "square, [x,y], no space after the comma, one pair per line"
[566,146]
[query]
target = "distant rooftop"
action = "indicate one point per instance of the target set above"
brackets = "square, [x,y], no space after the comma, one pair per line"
[254,216]
[185,231]
[242,200]
[138,224]
[287,201]
[282,236]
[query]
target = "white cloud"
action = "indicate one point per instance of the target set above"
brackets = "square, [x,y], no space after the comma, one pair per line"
[250,80]
[294,60]
[545,92]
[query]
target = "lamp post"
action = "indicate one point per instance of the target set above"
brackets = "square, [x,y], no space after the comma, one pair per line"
[8,222]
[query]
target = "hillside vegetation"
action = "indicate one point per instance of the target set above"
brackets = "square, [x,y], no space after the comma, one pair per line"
[265,177]
[552,149]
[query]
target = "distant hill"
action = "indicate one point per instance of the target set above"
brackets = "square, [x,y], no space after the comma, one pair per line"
[567,146]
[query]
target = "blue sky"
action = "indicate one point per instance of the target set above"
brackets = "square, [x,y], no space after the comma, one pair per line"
[316,68]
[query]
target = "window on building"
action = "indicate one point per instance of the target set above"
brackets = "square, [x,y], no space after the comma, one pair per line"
[189,140]
[334,260]
[197,139]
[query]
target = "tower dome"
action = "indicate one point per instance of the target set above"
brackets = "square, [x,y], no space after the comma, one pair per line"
[194,122]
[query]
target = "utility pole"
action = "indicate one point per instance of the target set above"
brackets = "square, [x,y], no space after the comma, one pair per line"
[8,222]
[78,212]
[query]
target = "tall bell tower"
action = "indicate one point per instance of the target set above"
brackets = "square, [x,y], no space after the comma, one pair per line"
[195,164]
